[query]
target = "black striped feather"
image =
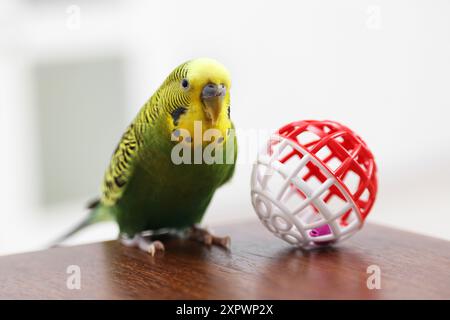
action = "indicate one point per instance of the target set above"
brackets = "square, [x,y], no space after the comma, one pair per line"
[120,168]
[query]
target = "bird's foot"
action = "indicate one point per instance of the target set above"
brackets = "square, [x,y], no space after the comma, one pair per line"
[203,235]
[142,243]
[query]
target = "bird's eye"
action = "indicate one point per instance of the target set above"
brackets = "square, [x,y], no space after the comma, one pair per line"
[185,83]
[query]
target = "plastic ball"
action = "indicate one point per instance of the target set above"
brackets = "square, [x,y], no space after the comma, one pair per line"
[314,183]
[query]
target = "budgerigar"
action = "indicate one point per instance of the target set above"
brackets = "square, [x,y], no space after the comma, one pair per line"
[144,189]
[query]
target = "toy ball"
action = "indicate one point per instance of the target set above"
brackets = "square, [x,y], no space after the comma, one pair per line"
[314,183]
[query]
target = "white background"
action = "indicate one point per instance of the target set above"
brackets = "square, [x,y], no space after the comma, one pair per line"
[380,67]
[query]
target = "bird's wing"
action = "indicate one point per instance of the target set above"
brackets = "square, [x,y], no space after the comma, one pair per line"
[120,168]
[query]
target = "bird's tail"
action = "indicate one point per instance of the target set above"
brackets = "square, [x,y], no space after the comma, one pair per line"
[97,214]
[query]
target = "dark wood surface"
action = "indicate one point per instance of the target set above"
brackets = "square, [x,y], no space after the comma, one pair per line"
[259,266]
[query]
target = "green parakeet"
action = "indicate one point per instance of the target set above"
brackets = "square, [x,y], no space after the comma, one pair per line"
[145,186]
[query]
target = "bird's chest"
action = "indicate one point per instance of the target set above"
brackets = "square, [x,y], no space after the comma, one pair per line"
[168,184]
[166,198]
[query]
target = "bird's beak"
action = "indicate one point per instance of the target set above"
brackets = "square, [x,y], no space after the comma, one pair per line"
[212,98]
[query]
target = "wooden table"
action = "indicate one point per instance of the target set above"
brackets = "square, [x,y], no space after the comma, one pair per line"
[259,266]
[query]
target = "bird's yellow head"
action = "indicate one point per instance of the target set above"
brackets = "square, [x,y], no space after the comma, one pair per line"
[198,91]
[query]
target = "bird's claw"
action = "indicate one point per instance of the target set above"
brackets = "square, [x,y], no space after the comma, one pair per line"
[154,246]
[222,241]
[204,236]
[142,243]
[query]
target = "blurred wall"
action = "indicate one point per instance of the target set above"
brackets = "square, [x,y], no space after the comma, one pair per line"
[381,67]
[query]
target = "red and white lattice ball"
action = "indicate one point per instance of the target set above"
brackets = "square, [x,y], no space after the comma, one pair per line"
[315,183]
